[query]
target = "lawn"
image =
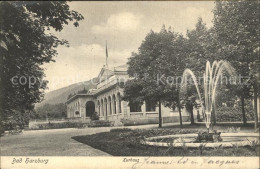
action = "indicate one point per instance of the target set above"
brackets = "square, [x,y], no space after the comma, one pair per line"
[126,142]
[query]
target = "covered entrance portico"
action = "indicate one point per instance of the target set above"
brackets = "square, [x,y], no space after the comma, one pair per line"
[90,108]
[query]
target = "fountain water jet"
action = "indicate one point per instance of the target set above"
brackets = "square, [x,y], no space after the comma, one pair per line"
[210,81]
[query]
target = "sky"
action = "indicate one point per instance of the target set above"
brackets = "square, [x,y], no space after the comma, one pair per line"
[124,26]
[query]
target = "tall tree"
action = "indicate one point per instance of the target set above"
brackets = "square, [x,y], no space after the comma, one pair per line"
[204,45]
[237,27]
[201,47]
[24,47]
[154,67]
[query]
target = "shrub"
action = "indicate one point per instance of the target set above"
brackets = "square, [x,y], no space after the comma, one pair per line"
[101,123]
[95,116]
[59,125]
[140,121]
[1,128]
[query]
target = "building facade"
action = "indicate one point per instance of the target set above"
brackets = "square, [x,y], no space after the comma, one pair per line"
[107,101]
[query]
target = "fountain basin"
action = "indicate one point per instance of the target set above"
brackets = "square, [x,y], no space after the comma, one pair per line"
[179,140]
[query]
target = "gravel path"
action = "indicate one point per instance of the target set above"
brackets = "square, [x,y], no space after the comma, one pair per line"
[56,142]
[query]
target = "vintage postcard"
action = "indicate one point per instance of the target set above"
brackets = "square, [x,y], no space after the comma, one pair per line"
[129,84]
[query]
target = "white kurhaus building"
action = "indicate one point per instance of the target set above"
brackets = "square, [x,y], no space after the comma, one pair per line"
[107,101]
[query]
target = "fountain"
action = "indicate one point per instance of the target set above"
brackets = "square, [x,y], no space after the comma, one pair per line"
[211,79]
[210,82]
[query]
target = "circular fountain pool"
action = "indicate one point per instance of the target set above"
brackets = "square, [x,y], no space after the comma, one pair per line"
[229,140]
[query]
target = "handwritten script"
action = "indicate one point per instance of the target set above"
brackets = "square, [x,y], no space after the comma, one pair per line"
[142,162]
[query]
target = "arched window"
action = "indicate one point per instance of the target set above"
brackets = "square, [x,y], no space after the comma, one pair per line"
[114,104]
[102,108]
[105,107]
[119,102]
[98,105]
[109,106]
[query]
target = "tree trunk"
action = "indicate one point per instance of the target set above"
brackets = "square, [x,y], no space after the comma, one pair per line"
[255,106]
[179,108]
[160,114]
[191,116]
[243,109]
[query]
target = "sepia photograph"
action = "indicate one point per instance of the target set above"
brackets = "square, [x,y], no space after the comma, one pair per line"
[129,84]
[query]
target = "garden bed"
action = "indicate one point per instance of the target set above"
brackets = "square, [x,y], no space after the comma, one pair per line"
[125,142]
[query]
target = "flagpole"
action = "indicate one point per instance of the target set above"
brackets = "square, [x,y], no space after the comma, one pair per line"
[106,55]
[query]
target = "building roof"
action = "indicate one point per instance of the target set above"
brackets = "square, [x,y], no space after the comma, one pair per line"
[122,68]
[77,96]
[110,71]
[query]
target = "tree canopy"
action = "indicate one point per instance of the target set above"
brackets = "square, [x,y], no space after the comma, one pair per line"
[25,46]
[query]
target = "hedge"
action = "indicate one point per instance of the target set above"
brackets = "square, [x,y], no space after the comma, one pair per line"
[230,114]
